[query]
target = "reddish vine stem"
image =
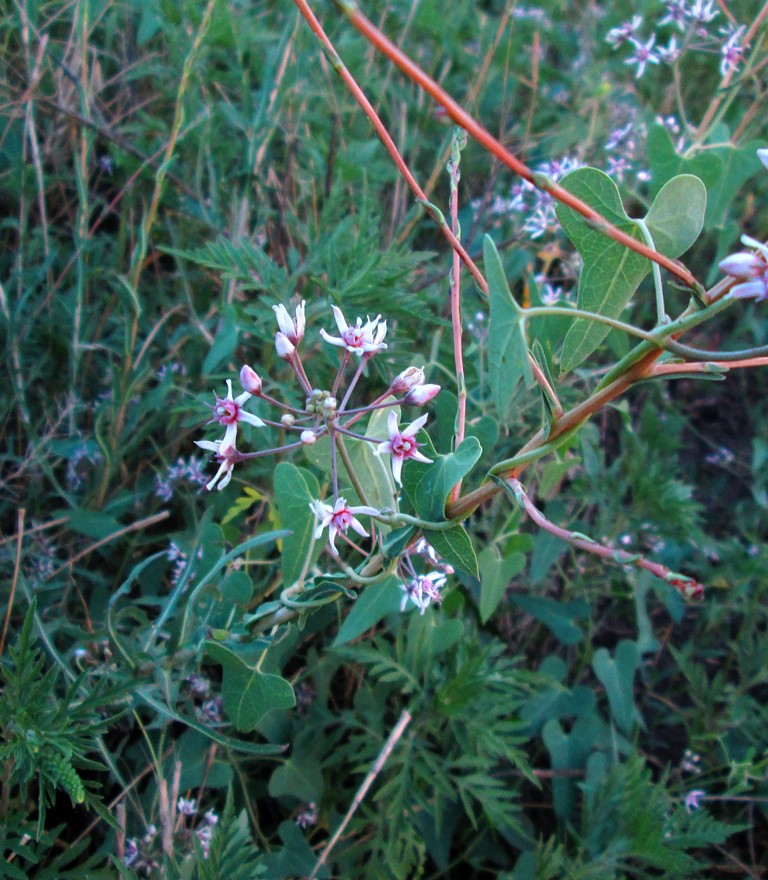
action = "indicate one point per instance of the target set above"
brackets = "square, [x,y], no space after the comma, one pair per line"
[481,134]
[386,139]
[688,587]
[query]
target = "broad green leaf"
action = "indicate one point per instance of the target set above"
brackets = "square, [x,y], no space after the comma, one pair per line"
[611,272]
[455,546]
[569,751]
[507,344]
[666,162]
[248,693]
[558,617]
[372,605]
[237,587]
[677,214]
[294,489]
[617,677]
[495,574]
[442,475]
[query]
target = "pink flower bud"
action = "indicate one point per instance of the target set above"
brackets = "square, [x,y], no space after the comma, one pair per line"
[421,394]
[308,437]
[250,380]
[285,348]
[407,380]
[742,265]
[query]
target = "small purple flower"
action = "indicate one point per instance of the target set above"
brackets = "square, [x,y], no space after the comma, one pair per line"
[643,55]
[702,11]
[677,11]
[423,590]
[671,52]
[338,518]
[227,456]
[401,445]
[187,807]
[228,411]
[624,32]
[692,800]
[359,339]
[732,52]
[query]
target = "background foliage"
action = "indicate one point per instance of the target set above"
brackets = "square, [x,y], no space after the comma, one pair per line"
[168,173]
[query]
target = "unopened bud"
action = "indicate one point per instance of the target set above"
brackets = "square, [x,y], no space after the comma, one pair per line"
[407,380]
[308,437]
[250,380]
[421,394]
[287,420]
[285,348]
[742,265]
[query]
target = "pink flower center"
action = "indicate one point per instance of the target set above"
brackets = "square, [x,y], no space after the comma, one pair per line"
[403,447]
[353,337]
[226,412]
[342,519]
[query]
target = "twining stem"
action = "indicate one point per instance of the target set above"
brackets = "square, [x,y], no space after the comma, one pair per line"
[687,586]
[661,312]
[397,731]
[457,142]
[494,146]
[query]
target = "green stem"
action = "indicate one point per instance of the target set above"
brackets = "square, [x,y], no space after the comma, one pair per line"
[661,312]
[350,468]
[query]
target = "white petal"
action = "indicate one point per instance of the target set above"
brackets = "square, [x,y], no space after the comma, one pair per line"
[415,426]
[358,527]
[209,445]
[397,467]
[392,424]
[251,419]
[334,340]
[341,322]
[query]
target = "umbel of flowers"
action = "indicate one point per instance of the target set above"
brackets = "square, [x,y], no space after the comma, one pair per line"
[327,412]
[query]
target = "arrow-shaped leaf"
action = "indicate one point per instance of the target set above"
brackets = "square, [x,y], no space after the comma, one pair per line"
[248,693]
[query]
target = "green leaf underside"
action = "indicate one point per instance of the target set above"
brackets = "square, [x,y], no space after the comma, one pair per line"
[248,693]
[508,362]
[294,488]
[611,273]
[677,214]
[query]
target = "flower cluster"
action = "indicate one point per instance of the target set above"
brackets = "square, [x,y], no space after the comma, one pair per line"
[323,414]
[691,19]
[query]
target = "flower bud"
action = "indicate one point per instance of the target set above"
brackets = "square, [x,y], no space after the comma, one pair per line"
[308,437]
[287,420]
[285,348]
[407,380]
[421,394]
[250,380]
[742,265]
